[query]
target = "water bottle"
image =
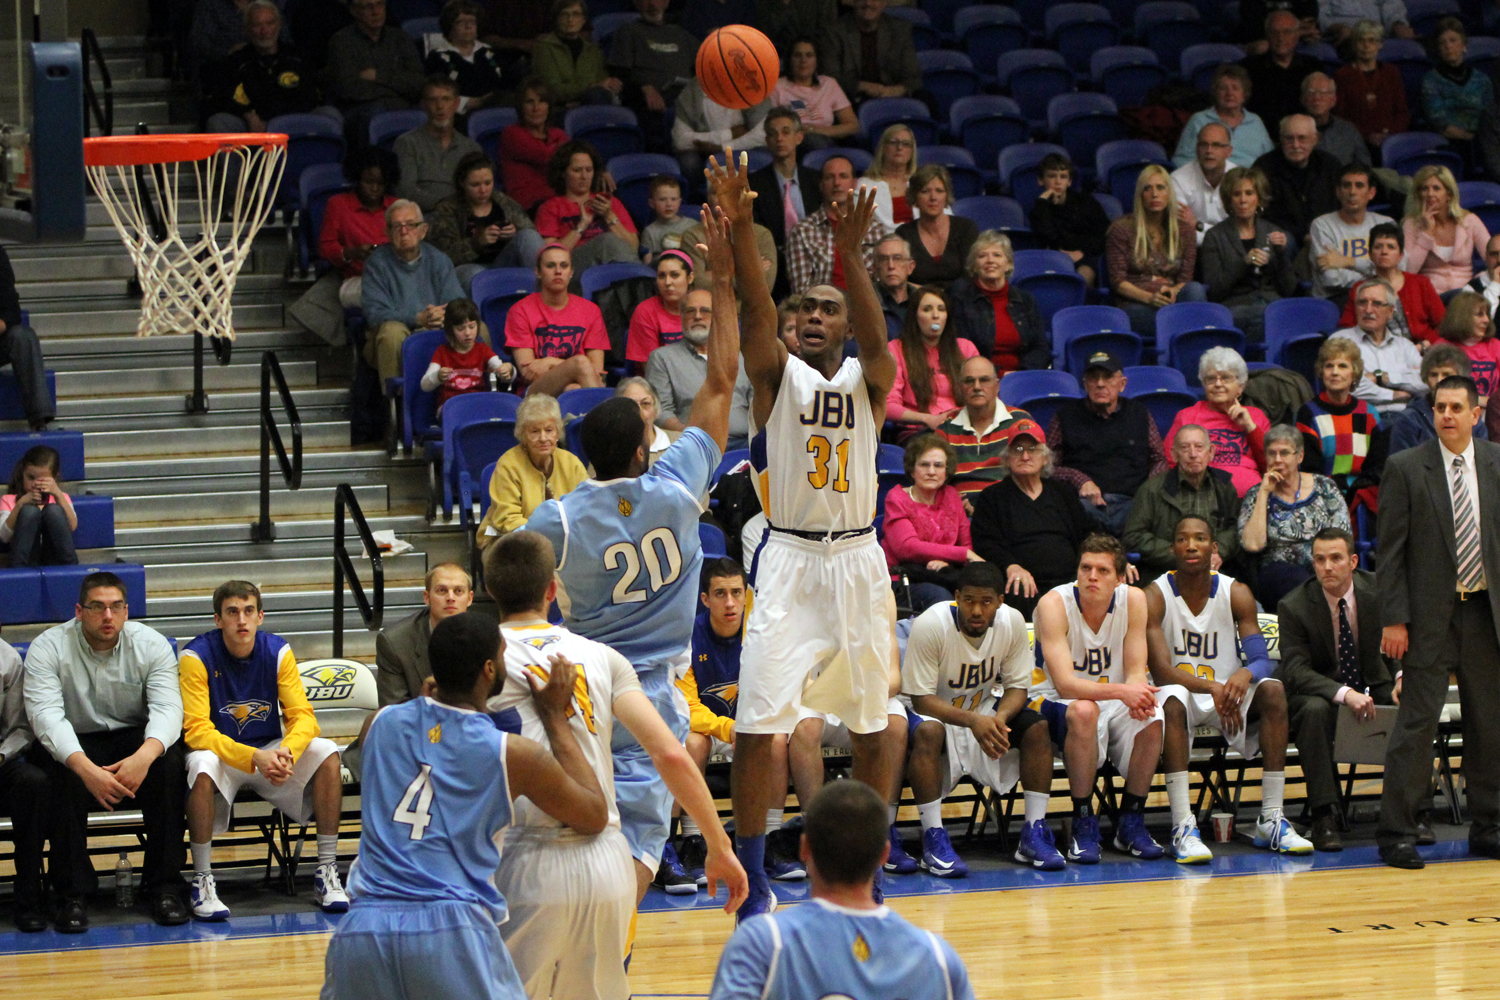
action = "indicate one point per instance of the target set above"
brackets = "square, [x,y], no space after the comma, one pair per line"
[124,882]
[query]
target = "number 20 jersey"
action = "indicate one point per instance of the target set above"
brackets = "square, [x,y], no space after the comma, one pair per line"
[815,458]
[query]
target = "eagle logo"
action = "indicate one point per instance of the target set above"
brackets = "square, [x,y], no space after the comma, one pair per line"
[245,712]
[329,681]
[861,948]
[625,507]
[290,80]
[541,641]
[435,734]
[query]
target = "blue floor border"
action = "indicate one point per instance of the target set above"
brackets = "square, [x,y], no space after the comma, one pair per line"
[986,880]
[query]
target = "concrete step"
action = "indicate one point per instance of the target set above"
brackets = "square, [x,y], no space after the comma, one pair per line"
[138,540]
[305,572]
[248,478]
[138,111]
[160,378]
[240,504]
[237,407]
[42,270]
[70,287]
[123,319]
[194,441]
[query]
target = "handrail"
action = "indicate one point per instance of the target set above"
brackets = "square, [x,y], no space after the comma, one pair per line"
[270,435]
[372,613]
[103,115]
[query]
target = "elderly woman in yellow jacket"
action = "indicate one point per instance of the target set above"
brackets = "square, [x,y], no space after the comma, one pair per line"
[533,471]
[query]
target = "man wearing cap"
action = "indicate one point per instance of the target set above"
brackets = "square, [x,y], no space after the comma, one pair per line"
[979,431]
[1105,445]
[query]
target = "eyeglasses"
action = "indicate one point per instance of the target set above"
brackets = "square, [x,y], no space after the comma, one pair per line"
[904,143]
[980,380]
[1367,304]
[1218,378]
[99,607]
[403,226]
[1026,449]
[1206,144]
[895,258]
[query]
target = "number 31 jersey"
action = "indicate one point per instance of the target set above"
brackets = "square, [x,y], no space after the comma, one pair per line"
[628,554]
[815,458]
[436,801]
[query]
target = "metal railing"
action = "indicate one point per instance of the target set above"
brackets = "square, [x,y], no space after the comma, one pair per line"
[104,113]
[371,612]
[270,435]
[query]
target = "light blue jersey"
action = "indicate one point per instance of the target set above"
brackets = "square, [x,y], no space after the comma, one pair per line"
[819,950]
[436,803]
[628,552]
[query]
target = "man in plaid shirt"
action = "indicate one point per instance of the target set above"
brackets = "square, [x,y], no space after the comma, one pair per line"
[809,247]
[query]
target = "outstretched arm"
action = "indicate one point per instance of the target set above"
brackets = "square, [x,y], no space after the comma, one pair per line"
[711,405]
[865,316]
[765,355]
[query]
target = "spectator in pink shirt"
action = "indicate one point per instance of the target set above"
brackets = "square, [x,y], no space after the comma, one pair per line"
[929,363]
[657,321]
[1238,431]
[557,339]
[1468,326]
[819,101]
[1441,237]
[926,530]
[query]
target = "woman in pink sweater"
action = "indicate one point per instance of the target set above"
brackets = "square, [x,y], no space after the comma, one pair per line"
[929,364]
[1237,431]
[926,530]
[1441,236]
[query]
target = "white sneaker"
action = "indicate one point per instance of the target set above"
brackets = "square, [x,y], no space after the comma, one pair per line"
[206,905]
[1187,847]
[328,890]
[1274,832]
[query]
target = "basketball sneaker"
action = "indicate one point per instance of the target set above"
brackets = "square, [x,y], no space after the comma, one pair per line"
[898,862]
[1038,849]
[877,889]
[670,877]
[206,905]
[693,855]
[328,890]
[1187,847]
[1083,849]
[1275,832]
[761,898]
[938,856]
[1131,837]
[781,867]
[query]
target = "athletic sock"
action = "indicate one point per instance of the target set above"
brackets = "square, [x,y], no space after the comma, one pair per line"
[690,827]
[1036,806]
[1177,796]
[1272,788]
[1083,806]
[894,809]
[202,858]
[328,848]
[751,852]
[931,814]
[1132,803]
[773,819]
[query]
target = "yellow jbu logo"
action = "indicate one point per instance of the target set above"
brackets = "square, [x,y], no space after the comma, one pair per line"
[861,948]
[435,734]
[625,507]
[583,702]
[245,712]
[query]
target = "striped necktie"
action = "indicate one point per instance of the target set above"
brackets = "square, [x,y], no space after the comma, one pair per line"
[1466,528]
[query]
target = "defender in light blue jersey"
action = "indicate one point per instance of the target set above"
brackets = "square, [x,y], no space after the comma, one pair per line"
[438,785]
[841,944]
[628,555]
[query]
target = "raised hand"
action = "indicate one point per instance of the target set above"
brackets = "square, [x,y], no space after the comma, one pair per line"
[718,252]
[851,221]
[730,184]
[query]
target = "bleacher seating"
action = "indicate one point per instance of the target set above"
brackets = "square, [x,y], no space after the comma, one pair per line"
[1126,73]
[1483,199]
[464,448]
[601,276]
[312,140]
[988,31]
[1164,391]
[485,126]
[413,409]
[1078,30]
[577,402]
[1033,77]
[924,37]
[1051,278]
[989,211]
[1078,331]
[1081,123]
[1198,62]
[495,290]
[633,173]
[1039,393]
[1167,27]
[1410,57]
[985,124]
[879,113]
[610,130]
[605,25]
[967,180]
[10,394]
[316,185]
[1018,170]
[1295,329]
[69,445]
[1184,330]
[1117,164]
[388,126]
[50,593]
[858,157]
[947,76]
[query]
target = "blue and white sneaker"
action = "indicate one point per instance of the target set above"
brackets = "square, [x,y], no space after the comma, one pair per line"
[1084,847]
[1187,847]
[206,905]
[938,856]
[898,862]
[328,890]
[1038,849]
[761,898]
[1131,837]
[693,856]
[670,876]
[1275,832]
[783,869]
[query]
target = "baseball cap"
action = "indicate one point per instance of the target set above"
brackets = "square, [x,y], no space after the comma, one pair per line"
[1028,427]
[1105,360]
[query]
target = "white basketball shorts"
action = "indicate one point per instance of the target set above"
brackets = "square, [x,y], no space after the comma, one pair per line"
[1200,712]
[293,796]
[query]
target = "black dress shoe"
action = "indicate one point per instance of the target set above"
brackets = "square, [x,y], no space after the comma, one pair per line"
[71,917]
[1485,847]
[1325,833]
[1425,835]
[169,910]
[1402,855]
[30,918]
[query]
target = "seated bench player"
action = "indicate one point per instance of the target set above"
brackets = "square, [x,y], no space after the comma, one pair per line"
[975,716]
[1194,618]
[233,679]
[1092,687]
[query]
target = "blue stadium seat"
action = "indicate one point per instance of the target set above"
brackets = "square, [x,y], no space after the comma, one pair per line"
[573,436]
[601,276]
[1324,53]
[945,15]
[1143,379]
[1163,401]
[1116,164]
[21,600]
[1050,277]
[988,211]
[468,410]
[1198,62]
[880,113]
[1410,57]
[1111,205]
[1423,15]
[730,459]
[1295,330]
[311,140]
[755,160]
[984,125]
[859,157]
[1167,27]
[485,126]
[59,589]
[1482,52]
[10,395]
[924,37]
[1080,29]
[497,289]
[414,409]
[1127,73]
[1125,346]
[612,131]
[96,521]
[1184,330]
[474,491]
[420,27]
[316,185]
[1039,393]
[947,76]
[712,541]
[890,458]
[987,32]
[1073,322]
[1483,199]
[1018,170]
[577,402]
[633,173]
[388,126]
[69,445]
[1081,123]
[605,25]
[967,180]
[1408,152]
[1033,77]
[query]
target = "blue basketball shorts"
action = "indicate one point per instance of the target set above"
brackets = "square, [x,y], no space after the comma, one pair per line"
[640,792]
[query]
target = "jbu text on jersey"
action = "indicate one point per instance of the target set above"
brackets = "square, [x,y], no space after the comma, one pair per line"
[830,409]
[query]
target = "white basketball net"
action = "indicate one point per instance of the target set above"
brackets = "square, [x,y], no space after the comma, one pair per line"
[186,286]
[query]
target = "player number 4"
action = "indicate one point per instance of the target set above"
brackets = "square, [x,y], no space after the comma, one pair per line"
[624,554]
[418,793]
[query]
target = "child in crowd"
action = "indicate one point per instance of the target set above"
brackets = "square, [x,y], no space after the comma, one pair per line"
[460,362]
[39,518]
[1066,220]
[664,231]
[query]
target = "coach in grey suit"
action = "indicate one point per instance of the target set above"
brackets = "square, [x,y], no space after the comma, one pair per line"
[401,651]
[1440,600]
[1308,619]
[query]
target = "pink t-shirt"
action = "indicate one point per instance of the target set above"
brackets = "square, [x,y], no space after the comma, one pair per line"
[814,105]
[556,333]
[1484,365]
[468,369]
[557,217]
[901,398]
[918,532]
[651,326]
[1241,455]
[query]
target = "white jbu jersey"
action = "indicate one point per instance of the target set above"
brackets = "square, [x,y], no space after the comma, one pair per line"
[602,676]
[1098,657]
[815,458]
[940,660]
[1205,644]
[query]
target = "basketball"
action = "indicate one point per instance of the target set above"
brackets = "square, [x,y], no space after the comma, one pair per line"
[737,66]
